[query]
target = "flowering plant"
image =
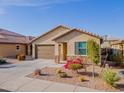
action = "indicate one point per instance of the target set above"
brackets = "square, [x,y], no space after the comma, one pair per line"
[75,61]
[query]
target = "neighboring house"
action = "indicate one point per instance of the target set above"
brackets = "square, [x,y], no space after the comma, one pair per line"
[62,42]
[107,41]
[12,43]
[118,45]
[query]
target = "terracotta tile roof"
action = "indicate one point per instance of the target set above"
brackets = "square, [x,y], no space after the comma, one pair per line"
[12,37]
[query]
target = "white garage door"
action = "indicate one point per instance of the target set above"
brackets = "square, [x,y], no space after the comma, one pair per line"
[46,51]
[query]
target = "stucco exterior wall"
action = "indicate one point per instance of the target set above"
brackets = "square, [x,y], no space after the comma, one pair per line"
[116,46]
[79,38]
[9,50]
[73,37]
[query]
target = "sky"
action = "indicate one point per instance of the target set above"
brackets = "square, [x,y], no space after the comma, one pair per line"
[35,17]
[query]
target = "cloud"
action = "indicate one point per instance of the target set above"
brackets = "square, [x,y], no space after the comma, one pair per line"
[33,3]
[41,4]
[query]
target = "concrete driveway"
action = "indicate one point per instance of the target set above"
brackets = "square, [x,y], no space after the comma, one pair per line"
[13,78]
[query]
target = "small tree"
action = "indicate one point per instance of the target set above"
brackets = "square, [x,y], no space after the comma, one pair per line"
[93,53]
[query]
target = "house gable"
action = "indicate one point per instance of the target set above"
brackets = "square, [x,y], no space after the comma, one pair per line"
[48,36]
[75,34]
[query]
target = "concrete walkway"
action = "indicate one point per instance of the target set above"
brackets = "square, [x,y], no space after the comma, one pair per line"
[13,78]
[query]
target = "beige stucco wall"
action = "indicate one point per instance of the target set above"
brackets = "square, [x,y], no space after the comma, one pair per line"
[9,50]
[47,39]
[73,37]
[116,46]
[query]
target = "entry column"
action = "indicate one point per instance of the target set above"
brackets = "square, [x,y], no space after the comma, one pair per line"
[57,57]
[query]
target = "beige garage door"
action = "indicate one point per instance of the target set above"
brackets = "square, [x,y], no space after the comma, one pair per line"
[46,51]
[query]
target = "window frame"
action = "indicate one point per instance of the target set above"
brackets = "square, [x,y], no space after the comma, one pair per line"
[80,48]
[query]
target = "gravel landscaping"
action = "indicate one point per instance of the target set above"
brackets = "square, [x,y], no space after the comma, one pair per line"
[49,73]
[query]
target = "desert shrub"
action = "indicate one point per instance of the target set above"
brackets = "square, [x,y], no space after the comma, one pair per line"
[82,79]
[58,71]
[110,77]
[62,75]
[2,61]
[75,67]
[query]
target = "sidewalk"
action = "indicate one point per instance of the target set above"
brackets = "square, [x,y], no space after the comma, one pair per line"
[25,84]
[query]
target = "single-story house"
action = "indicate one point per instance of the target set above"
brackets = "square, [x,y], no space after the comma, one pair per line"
[12,43]
[62,42]
[108,41]
[118,45]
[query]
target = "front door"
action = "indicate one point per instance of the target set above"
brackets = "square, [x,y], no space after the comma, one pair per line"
[64,51]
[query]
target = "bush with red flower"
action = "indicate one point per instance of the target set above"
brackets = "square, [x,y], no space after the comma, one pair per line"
[74,64]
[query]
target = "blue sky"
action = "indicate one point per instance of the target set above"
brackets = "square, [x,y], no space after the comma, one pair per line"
[34,17]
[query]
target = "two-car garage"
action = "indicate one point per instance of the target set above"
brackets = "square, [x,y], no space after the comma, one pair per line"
[45,51]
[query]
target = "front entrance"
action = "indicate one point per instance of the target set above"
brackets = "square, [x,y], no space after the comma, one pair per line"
[64,51]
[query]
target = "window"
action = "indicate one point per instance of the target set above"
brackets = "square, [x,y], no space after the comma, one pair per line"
[17,47]
[81,48]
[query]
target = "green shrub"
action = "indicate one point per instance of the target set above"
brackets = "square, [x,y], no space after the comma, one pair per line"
[75,67]
[2,61]
[110,77]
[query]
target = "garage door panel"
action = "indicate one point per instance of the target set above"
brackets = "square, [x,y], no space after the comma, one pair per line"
[45,52]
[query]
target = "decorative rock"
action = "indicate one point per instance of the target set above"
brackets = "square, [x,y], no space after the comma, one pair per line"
[121,73]
[37,72]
